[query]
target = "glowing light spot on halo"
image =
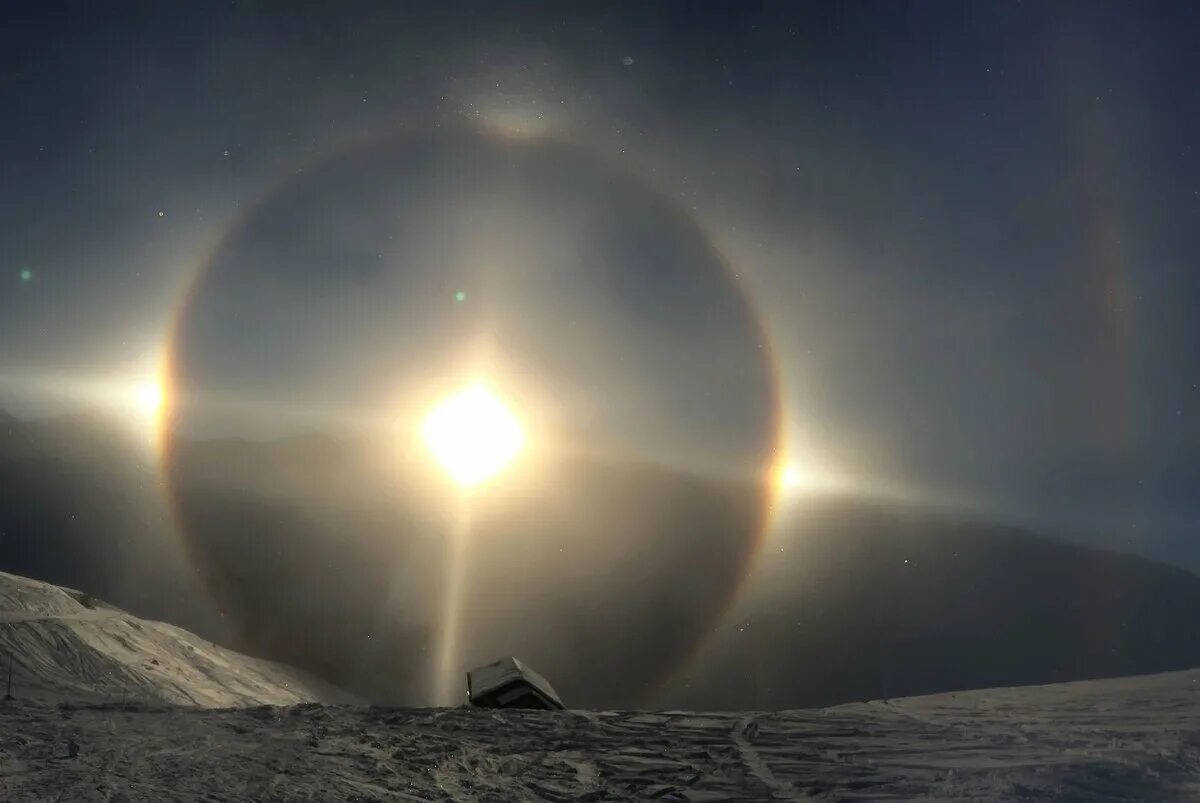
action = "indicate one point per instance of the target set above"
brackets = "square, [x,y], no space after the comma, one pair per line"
[26,275]
[515,118]
[791,480]
[472,435]
[143,399]
[797,478]
[790,477]
[149,396]
[460,296]
[146,401]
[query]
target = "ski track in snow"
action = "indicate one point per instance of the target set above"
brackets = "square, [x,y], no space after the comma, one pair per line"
[742,733]
[1125,739]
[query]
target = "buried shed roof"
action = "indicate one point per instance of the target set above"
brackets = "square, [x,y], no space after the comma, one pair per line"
[492,677]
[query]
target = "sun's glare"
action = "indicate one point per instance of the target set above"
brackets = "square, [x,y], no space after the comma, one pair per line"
[472,435]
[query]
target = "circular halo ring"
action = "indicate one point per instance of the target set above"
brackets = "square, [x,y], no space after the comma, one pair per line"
[776,425]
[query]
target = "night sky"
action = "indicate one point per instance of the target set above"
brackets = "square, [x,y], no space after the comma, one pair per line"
[967,232]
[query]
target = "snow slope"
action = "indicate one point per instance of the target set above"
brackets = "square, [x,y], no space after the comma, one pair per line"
[1128,739]
[66,645]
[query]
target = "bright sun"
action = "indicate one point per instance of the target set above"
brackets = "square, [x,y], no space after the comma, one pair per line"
[472,435]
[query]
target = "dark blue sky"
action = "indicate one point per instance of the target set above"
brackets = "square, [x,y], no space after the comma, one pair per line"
[970,229]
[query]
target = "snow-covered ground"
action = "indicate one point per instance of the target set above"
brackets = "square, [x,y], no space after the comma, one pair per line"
[64,645]
[1125,739]
[1129,739]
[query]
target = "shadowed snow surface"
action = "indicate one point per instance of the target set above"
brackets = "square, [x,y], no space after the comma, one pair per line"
[1128,739]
